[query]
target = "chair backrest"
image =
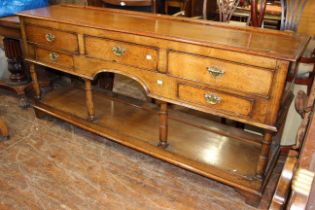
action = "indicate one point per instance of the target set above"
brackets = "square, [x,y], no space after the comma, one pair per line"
[291,13]
[226,9]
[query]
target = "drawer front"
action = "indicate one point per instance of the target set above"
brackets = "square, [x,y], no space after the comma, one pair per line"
[220,73]
[207,98]
[51,38]
[54,58]
[122,52]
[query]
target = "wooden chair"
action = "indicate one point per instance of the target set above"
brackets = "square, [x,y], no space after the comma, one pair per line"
[298,173]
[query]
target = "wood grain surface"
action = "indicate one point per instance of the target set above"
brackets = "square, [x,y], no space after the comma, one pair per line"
[48,163]
[276,44]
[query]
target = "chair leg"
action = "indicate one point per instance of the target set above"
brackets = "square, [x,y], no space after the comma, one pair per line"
[310,82]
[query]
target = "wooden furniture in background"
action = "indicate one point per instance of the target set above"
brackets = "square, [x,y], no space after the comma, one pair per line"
[296,186]
[138,5]
[4,132]
[272,15]
[186,62]
[195,8]
[307,26]
[279,198]
[309,78]
[226,9]
[292,11]
[257,12]
[307,21]
[291,14]
[180,4]
[96,3]
[18,81]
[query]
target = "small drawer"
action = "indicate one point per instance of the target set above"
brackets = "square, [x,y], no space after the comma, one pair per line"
[210,99]
[220,73]
[122,52]
[52,39]
[54,58]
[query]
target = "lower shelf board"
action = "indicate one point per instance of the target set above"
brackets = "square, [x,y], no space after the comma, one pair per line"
[217,151]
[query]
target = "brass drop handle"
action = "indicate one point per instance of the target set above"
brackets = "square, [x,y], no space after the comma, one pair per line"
[215,71]
[118,51]
[53,56]
[212,98]
[50,37]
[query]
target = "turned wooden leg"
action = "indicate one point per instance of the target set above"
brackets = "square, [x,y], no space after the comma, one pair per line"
[4,132]
[163,125]
[35,83]
[89,100]
[18,81]
[264,155]
[12,49]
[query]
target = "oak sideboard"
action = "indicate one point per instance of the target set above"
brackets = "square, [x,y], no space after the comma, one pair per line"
[210,68]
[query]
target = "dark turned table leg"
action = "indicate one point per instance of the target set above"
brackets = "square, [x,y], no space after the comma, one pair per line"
[13,52]
[18,81]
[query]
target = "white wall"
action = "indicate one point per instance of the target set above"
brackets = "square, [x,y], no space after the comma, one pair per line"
[3,65]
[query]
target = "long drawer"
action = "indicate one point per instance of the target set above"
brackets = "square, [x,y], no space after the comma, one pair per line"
[52,38]
[217,100]
[122,52]
[220,73]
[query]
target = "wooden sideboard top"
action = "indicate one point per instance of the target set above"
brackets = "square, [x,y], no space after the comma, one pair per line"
[11,21]
[256,41]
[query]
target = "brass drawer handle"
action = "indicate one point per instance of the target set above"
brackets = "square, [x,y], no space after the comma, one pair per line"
[118,51]
[50,37]
[212,98]
[215,71]
[53,56]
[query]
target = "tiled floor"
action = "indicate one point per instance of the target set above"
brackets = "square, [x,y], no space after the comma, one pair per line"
[49,164]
